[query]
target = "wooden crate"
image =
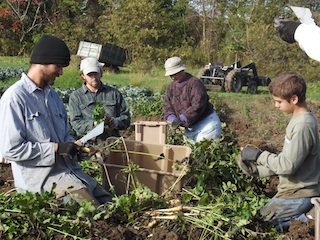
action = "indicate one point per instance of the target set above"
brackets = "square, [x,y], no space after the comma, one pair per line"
[155,161]
[151,132]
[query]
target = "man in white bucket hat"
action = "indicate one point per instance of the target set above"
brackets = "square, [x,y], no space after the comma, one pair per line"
[187,104]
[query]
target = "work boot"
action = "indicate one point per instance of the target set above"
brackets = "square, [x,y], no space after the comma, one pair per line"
[83,194]
[311,214]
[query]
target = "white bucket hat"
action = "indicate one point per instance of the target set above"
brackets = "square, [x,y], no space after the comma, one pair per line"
[173,65]
[91,64]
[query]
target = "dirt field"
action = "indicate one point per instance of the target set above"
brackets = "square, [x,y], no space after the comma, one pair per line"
[255,122]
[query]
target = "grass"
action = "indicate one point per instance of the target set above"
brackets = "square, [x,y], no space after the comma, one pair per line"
[14,62]
[154,80]
[313,91]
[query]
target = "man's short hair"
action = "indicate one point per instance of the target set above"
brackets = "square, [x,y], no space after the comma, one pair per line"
[288,84]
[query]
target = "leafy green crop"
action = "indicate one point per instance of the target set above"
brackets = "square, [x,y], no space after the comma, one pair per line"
[215,180]
[9,72]
[41,215]
[126,207]
[146,106]
[92,168]
[98,112]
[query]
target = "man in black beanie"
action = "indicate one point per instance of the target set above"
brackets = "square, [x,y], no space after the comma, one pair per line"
[50,50]
[35,130]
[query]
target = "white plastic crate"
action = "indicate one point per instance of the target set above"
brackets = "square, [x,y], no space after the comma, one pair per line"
[89,49]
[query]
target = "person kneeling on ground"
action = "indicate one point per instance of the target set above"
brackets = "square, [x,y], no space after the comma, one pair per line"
[298,164]
[187,104]
[35,131]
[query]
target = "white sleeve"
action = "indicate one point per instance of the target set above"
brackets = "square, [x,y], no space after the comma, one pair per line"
[308,38]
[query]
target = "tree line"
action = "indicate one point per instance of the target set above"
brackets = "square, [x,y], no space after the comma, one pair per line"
[199,31]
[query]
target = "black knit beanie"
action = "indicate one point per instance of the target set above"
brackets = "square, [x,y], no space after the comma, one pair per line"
[50,50]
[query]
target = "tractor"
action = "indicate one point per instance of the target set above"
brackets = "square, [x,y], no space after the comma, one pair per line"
[232,78]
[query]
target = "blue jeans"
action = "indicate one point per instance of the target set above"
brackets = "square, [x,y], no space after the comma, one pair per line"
[280,211]
[207,128]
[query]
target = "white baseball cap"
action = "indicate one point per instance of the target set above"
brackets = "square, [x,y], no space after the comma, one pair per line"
[173,65]
[91,64]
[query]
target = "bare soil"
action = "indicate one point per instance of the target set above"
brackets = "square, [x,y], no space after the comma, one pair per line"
[256,123]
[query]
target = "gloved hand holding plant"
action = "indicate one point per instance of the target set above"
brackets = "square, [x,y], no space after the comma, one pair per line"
[246,160]
[174,122]
[108,121]
[250,153]
[68,149]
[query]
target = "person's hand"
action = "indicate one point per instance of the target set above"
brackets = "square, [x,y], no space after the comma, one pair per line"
[108,121]
[250,153]
[176,123]
[171,118]
[183,119]
[68,149]
[286,29]
[247,167]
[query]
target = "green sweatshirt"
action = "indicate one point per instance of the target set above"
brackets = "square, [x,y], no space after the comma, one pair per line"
[298,165]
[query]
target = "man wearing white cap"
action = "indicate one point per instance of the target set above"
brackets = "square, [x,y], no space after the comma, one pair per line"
[186,103]
[84,100]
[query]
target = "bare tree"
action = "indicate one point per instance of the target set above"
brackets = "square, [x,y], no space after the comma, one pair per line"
[30,15]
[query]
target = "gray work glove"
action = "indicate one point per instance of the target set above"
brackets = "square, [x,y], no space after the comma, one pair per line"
[68,149]
[250,153]
[247,159]
[247,167]
[286,29]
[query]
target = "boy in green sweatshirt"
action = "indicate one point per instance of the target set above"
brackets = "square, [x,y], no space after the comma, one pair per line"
[298,165]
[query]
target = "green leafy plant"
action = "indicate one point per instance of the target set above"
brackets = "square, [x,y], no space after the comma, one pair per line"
[229,199]
[98,112]
[128,206]
[146,106]
[92,168]
[33,215]
[10,72]
[175,137]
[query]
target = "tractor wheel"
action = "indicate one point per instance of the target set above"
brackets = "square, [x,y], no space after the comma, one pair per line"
[252,87]
[233,83]
[201,75]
